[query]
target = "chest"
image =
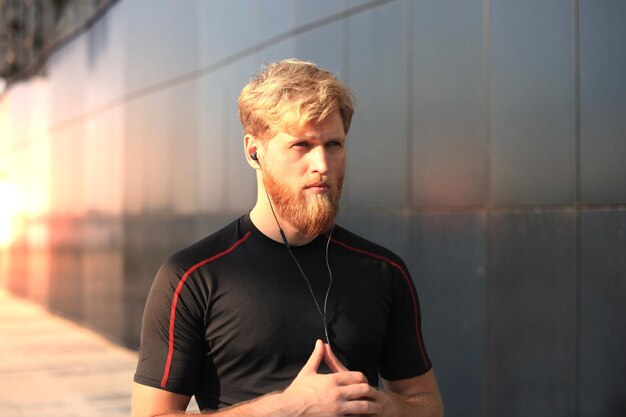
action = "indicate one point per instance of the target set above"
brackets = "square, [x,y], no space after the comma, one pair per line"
[267,313]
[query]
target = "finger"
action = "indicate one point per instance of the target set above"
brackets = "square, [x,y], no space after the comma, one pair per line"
[360,391]
[349,378]
[361,408]
[331,360]
[315,359]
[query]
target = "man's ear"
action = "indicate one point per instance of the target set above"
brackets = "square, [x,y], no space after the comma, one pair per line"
[251,146]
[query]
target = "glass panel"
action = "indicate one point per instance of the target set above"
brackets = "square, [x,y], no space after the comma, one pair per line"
[183,160]
[533,318]
[448,158]
[532,84]
[155,149]
[376,174]
[447,261]
[387,230]
[240,178]
[603,335]
[311,11]
[274,18]
[603,101]
[314,46]
[134,156]
[211,142]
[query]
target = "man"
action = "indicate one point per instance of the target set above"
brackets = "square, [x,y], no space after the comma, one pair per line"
[238,318]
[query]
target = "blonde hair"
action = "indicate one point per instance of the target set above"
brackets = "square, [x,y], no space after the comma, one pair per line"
[285,95]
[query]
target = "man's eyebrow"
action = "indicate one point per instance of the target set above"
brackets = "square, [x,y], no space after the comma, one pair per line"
[308,136]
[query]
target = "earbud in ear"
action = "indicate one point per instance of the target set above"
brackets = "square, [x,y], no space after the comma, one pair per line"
[254,156]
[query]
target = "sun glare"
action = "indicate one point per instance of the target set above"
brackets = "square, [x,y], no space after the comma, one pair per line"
[8,210]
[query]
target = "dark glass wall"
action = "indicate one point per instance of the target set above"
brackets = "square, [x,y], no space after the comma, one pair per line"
[488,150]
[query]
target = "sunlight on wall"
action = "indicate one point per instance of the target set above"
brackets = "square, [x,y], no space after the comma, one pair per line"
[8,191]
[8,210]
[24,158]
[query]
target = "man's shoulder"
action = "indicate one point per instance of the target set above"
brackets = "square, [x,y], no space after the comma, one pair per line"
[364,247]
[210,246]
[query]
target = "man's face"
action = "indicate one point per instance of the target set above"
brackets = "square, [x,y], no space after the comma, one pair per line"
[303,174]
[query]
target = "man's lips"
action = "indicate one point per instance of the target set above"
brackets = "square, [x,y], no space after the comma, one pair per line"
[318,186]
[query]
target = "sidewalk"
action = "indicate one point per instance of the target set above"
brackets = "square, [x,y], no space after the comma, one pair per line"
[52,367]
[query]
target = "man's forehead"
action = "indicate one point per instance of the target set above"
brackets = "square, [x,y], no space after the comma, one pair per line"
[331,126]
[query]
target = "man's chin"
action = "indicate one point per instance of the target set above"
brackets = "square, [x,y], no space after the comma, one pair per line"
[316,225]
[317,230]
[311,213]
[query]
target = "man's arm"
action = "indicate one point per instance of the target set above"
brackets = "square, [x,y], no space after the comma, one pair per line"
[149,401]
[310,394]
[152,402]
[412,397]
[417,396]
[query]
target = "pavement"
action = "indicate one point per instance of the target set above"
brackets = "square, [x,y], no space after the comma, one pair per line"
[53,367]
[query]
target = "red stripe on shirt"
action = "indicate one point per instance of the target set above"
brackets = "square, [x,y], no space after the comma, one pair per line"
[179,287]
[408,281]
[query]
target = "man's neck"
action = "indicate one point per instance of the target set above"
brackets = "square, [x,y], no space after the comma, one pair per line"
[264,220]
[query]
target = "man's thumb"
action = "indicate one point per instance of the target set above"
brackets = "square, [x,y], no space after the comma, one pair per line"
[315,359]
[331,360]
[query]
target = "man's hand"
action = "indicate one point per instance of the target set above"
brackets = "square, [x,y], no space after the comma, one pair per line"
[312,394]
[418,396]
[338,394]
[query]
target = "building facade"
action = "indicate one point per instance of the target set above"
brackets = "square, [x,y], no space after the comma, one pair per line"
[488,149]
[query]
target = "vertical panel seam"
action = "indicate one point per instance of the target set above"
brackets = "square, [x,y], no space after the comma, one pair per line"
[488,211]
[578,200]
[346,47]
[409,127]
[409,103]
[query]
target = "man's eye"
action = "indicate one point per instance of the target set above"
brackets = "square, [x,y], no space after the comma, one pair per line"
[301,145]
[334,144]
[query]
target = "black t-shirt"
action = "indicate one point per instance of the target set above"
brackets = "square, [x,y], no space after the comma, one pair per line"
[231,317]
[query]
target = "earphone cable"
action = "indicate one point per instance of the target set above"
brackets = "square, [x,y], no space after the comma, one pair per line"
[330,274]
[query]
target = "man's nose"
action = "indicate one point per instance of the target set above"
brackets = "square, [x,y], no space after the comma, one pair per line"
[319,159]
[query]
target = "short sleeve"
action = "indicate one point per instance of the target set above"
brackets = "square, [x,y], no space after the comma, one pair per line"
[404,353]
[172,333]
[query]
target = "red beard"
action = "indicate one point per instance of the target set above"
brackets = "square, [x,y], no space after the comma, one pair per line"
[310,215]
